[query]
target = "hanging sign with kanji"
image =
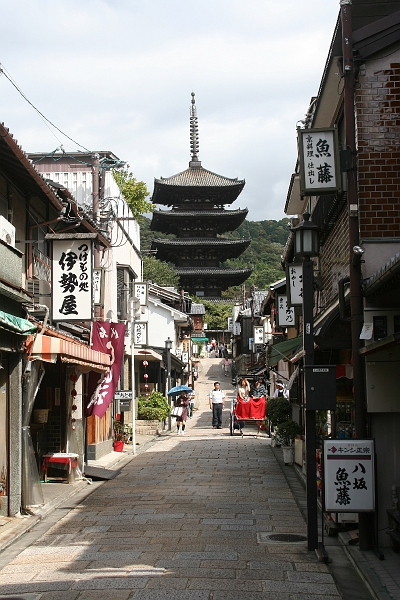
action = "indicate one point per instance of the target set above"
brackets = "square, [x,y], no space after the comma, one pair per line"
[319,161]
[72,293]
[294,284]
[285,313]
[349,476]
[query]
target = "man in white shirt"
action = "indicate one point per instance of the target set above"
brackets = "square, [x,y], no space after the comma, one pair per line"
[217,404]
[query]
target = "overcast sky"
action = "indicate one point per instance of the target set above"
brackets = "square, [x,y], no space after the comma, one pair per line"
[118,75]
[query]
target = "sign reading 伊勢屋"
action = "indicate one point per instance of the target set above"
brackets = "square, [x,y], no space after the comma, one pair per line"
[319,161]
[349,477]
[72,292]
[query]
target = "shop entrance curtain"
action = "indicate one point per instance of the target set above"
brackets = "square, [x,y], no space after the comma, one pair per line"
[32,495]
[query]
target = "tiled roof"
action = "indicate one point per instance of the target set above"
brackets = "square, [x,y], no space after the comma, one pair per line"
[200,242]
[201,213]
[182,271]
[199,177]
[197,309]
[382,276]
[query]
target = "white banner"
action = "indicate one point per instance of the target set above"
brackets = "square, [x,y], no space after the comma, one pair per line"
[72,292]
[140,292]
[258,334]
[294,284]
[140,330]
[285,314]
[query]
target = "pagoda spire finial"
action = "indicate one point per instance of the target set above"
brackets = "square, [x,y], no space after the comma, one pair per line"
[194,135]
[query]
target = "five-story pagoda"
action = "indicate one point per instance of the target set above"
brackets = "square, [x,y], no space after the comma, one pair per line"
[197,218]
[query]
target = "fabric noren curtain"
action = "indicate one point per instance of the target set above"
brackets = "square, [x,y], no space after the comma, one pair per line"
[32,495]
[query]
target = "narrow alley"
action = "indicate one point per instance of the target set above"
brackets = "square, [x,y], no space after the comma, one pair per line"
[188,518]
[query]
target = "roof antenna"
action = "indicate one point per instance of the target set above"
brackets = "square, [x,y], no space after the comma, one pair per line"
[194,135]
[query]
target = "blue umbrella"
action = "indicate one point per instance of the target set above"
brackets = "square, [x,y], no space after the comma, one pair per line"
[179,388]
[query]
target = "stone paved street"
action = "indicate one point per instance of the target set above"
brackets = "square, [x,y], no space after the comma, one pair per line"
[187,519]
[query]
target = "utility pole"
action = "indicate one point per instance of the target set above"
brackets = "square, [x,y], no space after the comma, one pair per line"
[356,300]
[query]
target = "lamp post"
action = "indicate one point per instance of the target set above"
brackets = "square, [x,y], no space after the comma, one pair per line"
[168,346]
[306,244]
[134,304]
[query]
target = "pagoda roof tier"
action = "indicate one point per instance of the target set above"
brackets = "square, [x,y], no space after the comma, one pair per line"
[207,277]
[218,220]
[224,248]
[196,184]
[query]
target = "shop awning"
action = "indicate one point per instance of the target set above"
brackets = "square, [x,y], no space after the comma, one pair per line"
[199,339]
[16,324]
[148,354]
[284,350]
[49,348]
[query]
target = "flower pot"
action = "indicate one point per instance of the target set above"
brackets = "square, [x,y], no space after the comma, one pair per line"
[288,455]
[118,446]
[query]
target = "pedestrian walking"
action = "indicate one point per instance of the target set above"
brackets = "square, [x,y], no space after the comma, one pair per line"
[183,402]
[226,365]
[190,405]
[217,404]
[280,391]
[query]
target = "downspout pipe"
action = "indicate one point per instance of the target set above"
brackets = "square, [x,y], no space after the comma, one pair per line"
[342,303]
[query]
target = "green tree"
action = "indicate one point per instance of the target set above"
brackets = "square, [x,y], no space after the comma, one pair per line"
[159,272]
[217,314]
[134,191]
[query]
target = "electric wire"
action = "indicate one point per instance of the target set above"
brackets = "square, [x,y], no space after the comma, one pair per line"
[10,79]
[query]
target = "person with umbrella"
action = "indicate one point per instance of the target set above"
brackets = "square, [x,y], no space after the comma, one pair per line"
[183,402]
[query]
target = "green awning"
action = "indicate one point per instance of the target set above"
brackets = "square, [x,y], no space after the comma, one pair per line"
[200,339]
[284,350]
[16,324]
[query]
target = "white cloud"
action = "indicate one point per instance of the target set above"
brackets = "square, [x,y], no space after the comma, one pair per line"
[117,75]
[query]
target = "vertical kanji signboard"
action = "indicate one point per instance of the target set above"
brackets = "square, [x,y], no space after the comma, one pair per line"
[319,161]
[349,475]
[72,292]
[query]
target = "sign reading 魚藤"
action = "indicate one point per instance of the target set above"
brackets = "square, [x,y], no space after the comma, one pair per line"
[294,284]
[72,292]
[285,313]
[349,478]
[319,161]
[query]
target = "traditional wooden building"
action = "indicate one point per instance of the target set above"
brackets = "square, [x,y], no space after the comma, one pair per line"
[197,199]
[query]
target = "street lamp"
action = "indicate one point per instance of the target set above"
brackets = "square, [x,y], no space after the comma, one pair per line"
[134,304]
[306,244]
[168,347]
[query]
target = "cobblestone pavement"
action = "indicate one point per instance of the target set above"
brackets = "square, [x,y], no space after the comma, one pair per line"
[186,519]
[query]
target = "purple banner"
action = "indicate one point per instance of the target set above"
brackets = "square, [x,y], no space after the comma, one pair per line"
[108,338]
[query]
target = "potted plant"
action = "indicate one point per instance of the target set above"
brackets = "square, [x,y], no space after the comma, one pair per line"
[121,435]
[153,412]
[286,433]
[278,411]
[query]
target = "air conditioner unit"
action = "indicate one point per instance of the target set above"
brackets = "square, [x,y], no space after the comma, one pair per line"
[7,232]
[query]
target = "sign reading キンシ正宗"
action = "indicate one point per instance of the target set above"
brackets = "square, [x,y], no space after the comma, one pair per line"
[349,476]
[319,161]
[72,293]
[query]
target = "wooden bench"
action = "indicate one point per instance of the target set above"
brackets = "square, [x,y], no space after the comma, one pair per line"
[69,459]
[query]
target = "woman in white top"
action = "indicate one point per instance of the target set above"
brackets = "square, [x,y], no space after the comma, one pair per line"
[243,389]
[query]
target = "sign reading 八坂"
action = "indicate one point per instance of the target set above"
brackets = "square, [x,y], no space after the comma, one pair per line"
[349,478]
[319,161]
[72,292]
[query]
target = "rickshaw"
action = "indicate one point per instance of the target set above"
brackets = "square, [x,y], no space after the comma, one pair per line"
[253,410]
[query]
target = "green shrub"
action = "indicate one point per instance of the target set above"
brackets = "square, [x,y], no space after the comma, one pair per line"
[154,408]
[278,410]
[287,431]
